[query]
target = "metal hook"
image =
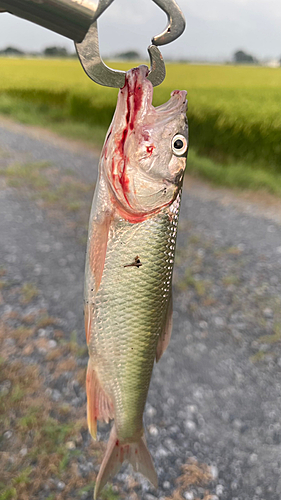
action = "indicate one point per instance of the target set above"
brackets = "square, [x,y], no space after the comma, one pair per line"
[176,22]
[93,65]
[89,54]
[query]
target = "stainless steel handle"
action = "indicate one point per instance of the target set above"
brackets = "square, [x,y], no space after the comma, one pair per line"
[70,18]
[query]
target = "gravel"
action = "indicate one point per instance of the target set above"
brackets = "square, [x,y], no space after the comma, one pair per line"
[215,396]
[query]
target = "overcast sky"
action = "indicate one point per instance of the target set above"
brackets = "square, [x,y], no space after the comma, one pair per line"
[214,29]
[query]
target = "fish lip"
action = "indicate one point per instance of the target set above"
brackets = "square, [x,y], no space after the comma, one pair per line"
[176,103]
[138,77]
[178,178]
[141,73]
[135,103]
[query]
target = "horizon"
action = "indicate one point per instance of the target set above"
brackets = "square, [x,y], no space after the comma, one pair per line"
[118,56]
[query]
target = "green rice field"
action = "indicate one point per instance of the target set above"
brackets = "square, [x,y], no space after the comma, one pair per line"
[234,111]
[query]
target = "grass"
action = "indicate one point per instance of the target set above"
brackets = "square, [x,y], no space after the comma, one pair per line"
[201,287]
[22,334]
[269,340]
[45,321]
[38,425]
[28,292]
[28,175]
[73,345]
[4,284]
[230,280]
[258,356]
[273,338]
[234,117]
[194,474]
[234,175]
[62,193]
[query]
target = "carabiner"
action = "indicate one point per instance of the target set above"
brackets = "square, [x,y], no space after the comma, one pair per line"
[93,65]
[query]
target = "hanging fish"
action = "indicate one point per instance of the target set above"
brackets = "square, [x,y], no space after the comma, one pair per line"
[129,265]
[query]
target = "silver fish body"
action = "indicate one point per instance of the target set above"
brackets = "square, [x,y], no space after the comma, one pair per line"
[129,266]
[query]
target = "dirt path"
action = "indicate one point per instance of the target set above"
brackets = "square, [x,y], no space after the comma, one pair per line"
[215,397]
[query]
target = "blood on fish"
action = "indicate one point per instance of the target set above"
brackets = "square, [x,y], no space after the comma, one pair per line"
[125,183]
[137,93]
[132,218]
[131,115]
[120,179]
[149,149]
[179,92]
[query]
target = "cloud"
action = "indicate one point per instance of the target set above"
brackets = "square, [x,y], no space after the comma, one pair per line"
[233,10]
[213,29]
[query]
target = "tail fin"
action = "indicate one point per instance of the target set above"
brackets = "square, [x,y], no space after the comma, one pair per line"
[135,453]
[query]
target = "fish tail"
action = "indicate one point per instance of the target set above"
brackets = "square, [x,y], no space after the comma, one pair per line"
[136,454]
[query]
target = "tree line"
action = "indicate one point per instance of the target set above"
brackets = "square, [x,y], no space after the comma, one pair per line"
[61,52]
[48,52]
[239,57]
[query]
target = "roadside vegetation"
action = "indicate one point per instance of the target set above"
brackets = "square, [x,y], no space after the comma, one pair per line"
[44,440]
[233,113]
[45,449]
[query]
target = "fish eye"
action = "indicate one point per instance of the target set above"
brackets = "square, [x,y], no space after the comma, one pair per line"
[179,145]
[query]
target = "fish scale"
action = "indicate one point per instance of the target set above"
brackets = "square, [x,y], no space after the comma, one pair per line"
[128,324]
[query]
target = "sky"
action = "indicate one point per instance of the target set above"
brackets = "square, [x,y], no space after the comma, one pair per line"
[214,29]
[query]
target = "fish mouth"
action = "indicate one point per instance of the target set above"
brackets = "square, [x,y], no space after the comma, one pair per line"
[135,101]
[178,178]
[176,104]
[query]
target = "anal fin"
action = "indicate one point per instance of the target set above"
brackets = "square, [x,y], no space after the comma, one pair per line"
[165,335]
[99,406]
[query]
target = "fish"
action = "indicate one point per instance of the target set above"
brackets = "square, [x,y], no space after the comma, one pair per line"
[129,266]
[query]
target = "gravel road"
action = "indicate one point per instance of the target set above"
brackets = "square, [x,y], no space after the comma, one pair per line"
[215,396]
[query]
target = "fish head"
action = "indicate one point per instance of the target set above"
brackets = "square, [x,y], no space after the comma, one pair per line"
[144,155]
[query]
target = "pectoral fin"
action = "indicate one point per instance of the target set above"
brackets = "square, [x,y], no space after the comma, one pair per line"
[165,335]
[99,406]
[98,246]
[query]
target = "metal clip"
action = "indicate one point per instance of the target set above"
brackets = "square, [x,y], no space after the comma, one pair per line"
[93,65]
